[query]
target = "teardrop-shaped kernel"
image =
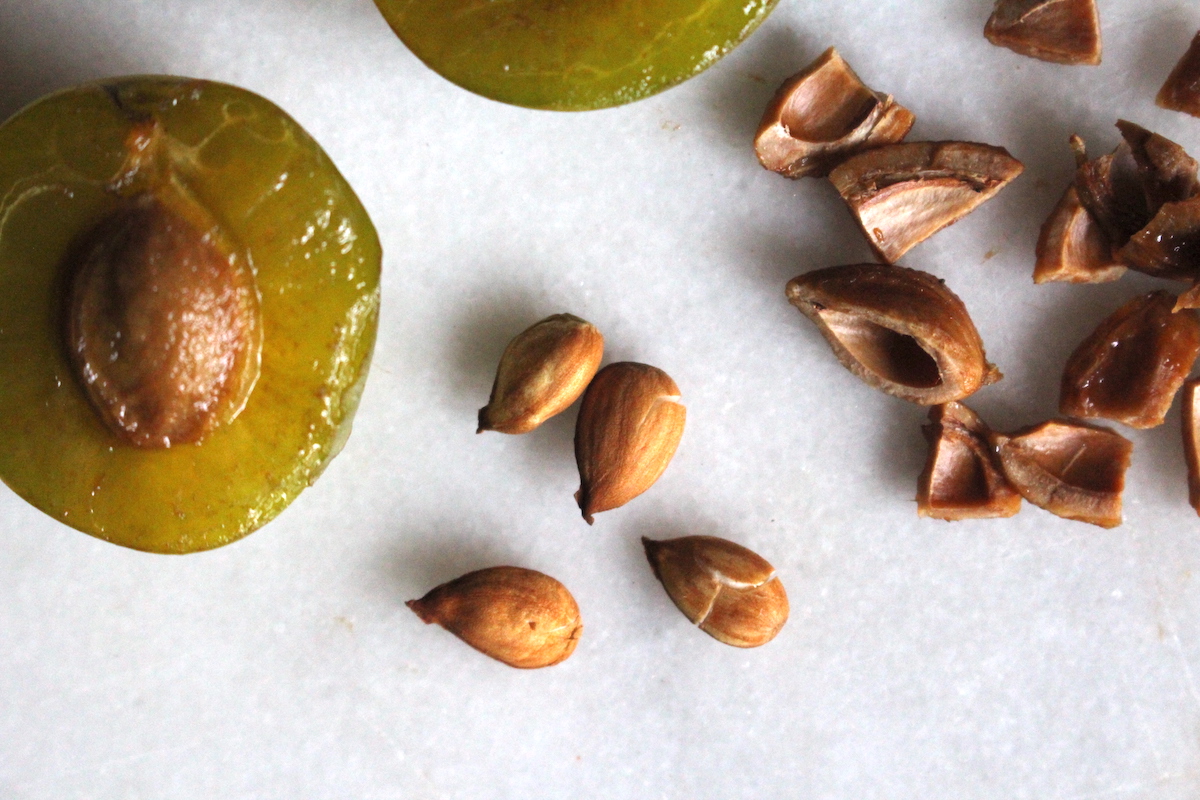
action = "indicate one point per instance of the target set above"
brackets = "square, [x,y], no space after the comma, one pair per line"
[898,329]
[1073,248]
[518,616]
[962,478]
[1071,469]
[1131,366]
[1181,91]
[543,370]
[629,426]
[1059,31]
[163,323]
[1191,439]
[822,115]
[901,194]
[729,591]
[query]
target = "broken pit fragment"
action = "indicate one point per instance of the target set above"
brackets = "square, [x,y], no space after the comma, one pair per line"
[1060,31]
[1073,248]
[962,478]
[1169,246]
[821,116]
[1181,92]
[1071,469]
[1191,439]
[901,194]
[898,329]
[1129,369]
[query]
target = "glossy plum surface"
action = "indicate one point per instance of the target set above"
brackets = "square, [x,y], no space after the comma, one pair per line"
[572,56]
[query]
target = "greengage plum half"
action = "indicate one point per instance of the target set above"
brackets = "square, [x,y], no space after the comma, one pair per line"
[571,55]
[189,294]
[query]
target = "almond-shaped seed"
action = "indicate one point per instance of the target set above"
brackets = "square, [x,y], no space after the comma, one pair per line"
[1059,31]
[163,326]
[542,372]
[518,616]
[629,426]
[729,591]
[1181,91]
[1191,439]
[898,329]
[1169,246]
[1071,469]
[1073,248]
[822,115]
[1129,369]
[901,194]
[962,478]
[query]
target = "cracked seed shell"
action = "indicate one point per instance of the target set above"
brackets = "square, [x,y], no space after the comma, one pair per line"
[518,616]
[962,478]
[821,116]
[1071,469]
[1181,91]
[1059,31]
[729,591]
[1129,369]
[901,194]
[898,329]
[1191,439]
[1073,248]
[1169,245]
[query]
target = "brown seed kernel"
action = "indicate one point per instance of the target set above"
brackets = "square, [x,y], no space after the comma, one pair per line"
[1169,246]
[822,115]
[629,426]
[1131,366]
[1191,439]
[1181,92]
[163,325]
[1071,469]
[543,370]
[730,592]
[1073,248]
[1060,31]
[515,615]
[898,329]
[962,478]
[901,194]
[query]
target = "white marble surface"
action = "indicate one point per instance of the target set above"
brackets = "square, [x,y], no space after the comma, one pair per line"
[1023,658]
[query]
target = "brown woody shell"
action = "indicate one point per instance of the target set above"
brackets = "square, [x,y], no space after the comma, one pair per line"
[1181,91]
[1060,31]
[822,115]
[1131,366]
[1071,469]
[901,194]
[962,478]
[898,329]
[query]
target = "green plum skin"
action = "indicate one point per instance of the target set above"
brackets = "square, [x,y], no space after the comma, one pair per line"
[571,55]
[317,263]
